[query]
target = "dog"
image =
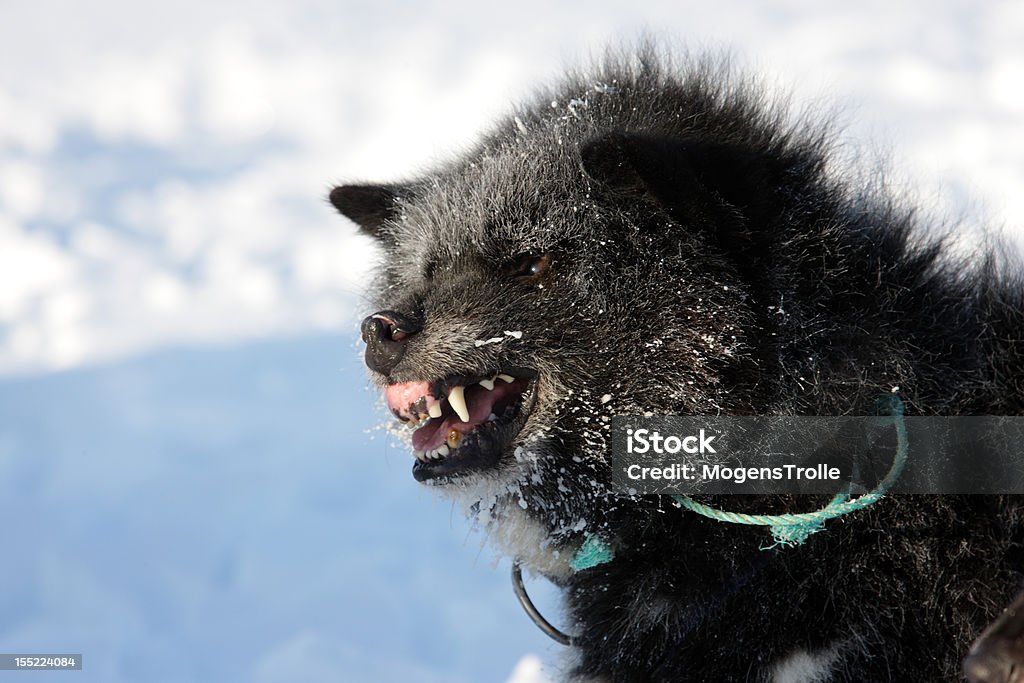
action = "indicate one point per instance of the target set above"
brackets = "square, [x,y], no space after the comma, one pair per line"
[655,236]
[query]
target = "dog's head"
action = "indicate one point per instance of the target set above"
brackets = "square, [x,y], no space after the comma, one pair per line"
[557,275]
[493,313]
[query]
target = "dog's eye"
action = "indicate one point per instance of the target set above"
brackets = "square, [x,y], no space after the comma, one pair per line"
[528,266]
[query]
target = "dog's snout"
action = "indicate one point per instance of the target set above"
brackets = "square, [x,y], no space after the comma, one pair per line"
[386,334]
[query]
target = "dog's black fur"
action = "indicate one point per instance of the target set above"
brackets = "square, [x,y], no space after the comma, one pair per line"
[692,249]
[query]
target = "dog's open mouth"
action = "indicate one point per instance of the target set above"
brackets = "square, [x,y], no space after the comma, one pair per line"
[466,423]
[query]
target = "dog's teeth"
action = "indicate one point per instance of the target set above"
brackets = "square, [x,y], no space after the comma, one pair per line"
[487,384]
[492,417]
[419,455]
[507,379]
[454,437]
[435,409]
[443,450]
[457,400]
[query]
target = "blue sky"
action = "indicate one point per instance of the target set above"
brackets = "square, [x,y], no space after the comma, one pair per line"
[185,466]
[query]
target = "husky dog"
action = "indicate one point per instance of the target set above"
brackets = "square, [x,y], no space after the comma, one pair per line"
[659,237]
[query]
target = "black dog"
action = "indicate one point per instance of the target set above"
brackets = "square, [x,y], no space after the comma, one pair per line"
[660,238]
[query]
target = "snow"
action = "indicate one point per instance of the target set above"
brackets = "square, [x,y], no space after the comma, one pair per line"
[142,142]
[222,515]
[528,670]
[219,513]
[484,342]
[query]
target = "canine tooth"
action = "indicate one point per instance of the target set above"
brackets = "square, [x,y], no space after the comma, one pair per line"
[457,400]
[507,379]
[443,450]
[492,417]
[487,384]
[454,437]
[435,409]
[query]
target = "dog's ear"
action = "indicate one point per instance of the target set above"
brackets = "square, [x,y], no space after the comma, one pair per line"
[369,206]
[718,186]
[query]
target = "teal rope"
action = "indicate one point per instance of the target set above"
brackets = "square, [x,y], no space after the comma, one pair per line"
[793,529]
[593,552]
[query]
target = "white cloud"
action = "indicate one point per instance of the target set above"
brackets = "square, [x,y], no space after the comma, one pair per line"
[164,293]
[21,188]
[26,127]
[170,173]
[141,99]
[32,266]
[918,81]
[238,88]
[1005,84]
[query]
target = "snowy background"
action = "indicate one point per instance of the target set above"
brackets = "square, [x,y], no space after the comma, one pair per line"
[190,486]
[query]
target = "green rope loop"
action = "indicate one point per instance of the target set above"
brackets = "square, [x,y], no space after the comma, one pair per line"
[593,552]
[794,528]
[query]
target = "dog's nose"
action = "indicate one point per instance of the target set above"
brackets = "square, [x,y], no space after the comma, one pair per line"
[386,334]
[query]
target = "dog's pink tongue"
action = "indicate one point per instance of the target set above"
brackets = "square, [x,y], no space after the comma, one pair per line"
[401,397]
[435,432]
[430,436]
